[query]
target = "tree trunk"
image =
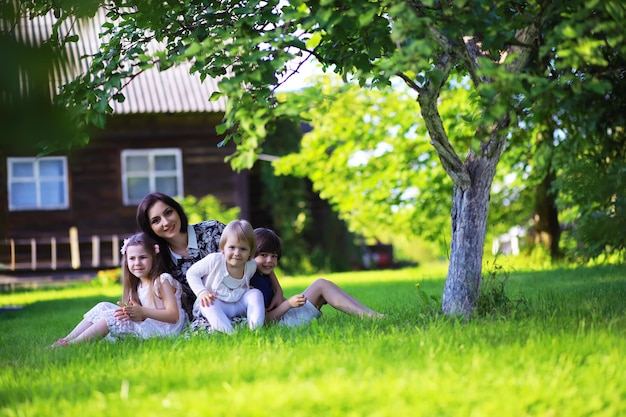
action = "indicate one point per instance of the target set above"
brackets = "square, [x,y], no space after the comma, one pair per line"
[469,223]
[547,216]
[472,179]
[547,229]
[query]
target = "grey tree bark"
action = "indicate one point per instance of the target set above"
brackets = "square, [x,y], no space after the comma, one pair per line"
[473,177]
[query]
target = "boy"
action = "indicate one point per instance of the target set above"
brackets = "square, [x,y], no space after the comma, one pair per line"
[299,309]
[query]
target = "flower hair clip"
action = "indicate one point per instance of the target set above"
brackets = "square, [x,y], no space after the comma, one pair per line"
[156,248]
[124,246]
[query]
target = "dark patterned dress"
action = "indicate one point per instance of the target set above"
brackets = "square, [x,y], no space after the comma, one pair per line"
[203,238]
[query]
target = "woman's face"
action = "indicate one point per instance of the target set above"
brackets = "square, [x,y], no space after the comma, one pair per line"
[164,220]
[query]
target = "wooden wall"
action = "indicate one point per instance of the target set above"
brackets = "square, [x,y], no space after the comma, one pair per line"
[95,187]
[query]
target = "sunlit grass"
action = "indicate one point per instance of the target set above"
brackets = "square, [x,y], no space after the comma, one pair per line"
[561,353]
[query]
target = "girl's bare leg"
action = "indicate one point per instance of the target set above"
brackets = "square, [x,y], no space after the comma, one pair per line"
[96,331]
[80,328]
[323,291]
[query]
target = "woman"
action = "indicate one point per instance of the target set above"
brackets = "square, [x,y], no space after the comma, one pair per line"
[163,218]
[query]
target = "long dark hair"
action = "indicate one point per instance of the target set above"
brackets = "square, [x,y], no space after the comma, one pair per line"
[143,220]
[144,224]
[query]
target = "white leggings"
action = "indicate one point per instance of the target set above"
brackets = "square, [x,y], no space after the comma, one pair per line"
[220,312]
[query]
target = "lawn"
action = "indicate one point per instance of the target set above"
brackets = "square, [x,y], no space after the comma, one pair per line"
[558,350]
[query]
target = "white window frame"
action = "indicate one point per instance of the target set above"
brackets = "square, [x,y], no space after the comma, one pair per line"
[151,173]
[38,180]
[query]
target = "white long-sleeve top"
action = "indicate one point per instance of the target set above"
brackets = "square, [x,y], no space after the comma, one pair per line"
[210,274]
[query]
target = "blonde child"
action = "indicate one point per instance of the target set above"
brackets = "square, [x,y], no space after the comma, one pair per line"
[151,301]
[221,281]
[299,309]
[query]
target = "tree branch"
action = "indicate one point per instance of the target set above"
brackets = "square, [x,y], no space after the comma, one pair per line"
[528,38]
[521,53]
[427,99]
[470,53]
[409,81]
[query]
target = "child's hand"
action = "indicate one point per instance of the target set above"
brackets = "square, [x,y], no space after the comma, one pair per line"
[134,311]
[121,313]
[207,298]
[297,300]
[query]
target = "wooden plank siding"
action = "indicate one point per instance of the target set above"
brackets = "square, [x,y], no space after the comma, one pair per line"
[95,182]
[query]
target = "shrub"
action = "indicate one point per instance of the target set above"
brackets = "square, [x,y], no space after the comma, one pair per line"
[106,277]
[208,207]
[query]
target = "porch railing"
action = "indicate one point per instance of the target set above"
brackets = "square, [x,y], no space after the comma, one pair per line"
[61,252]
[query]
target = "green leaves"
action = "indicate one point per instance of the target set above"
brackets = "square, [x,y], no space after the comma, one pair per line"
[372,142]
[192,50]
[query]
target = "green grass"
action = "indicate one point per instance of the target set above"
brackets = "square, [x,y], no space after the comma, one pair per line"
[561,351]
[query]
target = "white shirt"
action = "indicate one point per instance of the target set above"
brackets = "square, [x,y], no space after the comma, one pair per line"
[210,274]
[192,242]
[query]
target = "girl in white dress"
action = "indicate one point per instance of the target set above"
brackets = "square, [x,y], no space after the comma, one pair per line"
[151,301]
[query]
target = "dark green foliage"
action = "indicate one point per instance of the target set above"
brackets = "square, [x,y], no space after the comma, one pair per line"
[569,153]
[30,122]
[598,183]
[592,160]
[314,239]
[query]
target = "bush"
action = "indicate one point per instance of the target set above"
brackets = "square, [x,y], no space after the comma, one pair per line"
[106,277]
[208,207]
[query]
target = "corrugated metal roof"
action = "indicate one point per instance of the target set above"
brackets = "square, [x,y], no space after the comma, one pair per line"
[174,90]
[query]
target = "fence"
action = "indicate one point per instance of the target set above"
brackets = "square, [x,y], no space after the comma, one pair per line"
[67,252]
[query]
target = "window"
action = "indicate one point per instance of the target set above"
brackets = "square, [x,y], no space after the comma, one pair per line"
[38,183]
[148,170]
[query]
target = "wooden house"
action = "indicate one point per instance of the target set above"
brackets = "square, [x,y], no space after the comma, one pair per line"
[161,138]
[70,210]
